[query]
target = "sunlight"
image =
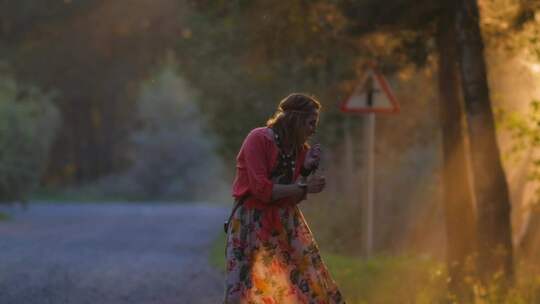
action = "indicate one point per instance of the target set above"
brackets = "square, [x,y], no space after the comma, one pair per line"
[535,68]
[270,280]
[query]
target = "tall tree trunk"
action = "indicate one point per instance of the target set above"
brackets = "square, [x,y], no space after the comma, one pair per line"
[490,187]
[457,199]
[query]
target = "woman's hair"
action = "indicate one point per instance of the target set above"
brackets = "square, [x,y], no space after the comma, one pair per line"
[291,116]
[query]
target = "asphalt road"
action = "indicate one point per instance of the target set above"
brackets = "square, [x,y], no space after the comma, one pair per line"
[109,253]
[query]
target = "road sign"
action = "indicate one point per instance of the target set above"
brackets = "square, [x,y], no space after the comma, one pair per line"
[372,95]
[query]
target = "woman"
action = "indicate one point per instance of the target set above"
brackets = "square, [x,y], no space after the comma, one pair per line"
[271,254]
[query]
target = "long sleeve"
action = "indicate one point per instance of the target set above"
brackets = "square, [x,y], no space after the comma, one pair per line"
[253,165]
[256,158]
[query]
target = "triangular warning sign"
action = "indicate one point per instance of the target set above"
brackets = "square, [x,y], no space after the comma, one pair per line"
[372,95]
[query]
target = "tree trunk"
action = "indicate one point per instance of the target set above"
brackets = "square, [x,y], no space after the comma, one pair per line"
[490,187]
[457,199]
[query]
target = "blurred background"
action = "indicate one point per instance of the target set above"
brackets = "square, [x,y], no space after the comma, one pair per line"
[149,101]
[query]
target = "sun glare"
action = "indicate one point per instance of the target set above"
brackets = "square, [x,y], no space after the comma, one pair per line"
[535,68]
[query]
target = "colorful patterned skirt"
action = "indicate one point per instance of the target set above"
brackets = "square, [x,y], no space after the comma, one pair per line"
[272,258]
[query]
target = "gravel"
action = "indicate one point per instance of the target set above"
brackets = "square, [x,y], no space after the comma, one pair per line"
[109,253]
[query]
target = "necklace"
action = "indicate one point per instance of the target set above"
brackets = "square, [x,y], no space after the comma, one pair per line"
[283,172]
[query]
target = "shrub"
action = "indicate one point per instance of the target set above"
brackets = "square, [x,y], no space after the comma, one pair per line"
[174,157]
[28,124]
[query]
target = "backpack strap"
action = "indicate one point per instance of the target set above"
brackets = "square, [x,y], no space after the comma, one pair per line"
[237,204]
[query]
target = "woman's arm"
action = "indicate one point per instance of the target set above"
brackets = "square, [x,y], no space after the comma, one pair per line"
[280,191]
[314,185]
[255,153]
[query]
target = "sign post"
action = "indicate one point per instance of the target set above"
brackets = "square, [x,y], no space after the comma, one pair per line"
[372,95]
[370,181]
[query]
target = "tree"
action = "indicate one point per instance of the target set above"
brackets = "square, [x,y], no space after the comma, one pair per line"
[96,71]
[173,156]
[495,258]
[264,51]
[457,199]
[489,183]
[28,124]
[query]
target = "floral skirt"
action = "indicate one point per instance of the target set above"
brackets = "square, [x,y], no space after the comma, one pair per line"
[272,258]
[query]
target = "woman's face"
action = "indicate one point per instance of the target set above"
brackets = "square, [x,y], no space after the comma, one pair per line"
[310,125]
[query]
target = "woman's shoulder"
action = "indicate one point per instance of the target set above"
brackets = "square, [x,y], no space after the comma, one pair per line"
[260,133]
[258,138]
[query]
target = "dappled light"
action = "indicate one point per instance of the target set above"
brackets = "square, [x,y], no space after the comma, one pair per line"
[123,126]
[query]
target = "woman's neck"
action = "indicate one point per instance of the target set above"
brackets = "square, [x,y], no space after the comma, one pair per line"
[283,144]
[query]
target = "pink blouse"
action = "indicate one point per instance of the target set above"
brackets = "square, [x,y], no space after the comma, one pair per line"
[254,163]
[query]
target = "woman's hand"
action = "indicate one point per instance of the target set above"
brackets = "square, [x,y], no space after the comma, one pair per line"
[316,184]
[297,191]
[313,156]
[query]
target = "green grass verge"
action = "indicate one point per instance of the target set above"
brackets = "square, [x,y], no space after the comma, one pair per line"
[388,279]
[382,279]
[4,217]
[404,279]
[92,194]
[83,194]
[217,252]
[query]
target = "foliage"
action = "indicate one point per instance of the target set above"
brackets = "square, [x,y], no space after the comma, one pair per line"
[525,134]
[28,125]
[512,25]
[56,45]
[22,16]
[411,279]
[246,57]
[216,254]
[173,156]
[4,217]
[242,55]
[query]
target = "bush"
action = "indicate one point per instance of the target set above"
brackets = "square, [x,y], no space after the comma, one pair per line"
[28,124]
[174,157]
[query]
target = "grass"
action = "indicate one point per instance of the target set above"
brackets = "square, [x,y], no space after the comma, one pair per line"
[4,217]
[382,279]
[92,194]
[404,280]
[217,252]
[87,194]
[387,279]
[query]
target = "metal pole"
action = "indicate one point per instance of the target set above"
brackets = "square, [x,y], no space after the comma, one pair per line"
[349,161]
[370,185]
